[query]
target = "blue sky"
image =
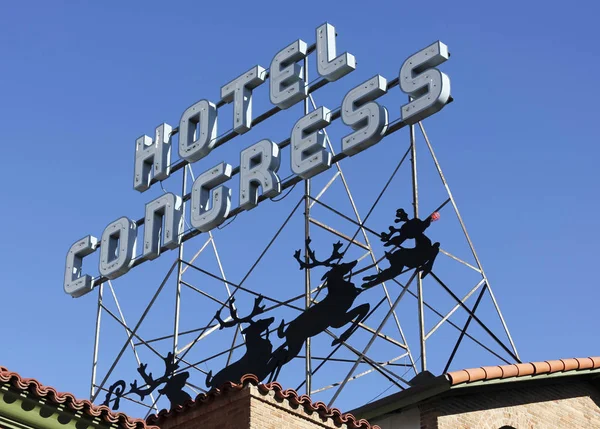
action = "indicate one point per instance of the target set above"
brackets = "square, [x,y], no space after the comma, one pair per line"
[82,80]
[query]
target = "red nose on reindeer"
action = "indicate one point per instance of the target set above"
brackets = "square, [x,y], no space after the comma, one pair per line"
[435,216]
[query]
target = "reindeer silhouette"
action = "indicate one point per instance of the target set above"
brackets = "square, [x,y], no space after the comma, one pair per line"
[332,311]
[173,390]
[421,257]
[258,349]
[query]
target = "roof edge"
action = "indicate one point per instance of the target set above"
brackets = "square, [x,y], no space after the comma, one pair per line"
[274,389]
[404,398]
[33,388]
[456,381]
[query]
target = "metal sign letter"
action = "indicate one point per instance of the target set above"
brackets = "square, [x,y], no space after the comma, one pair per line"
[117,248]
[258,168]
[287,86]
[77,285]
[368,119]
[328,66]
[240,92]
[169,208]
[429,87]
[204,218]
[149,153]
[196,144]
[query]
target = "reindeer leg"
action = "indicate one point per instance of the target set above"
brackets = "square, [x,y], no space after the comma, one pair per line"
[277,365]
[359,313]
[426,269]
[387,274]
[278,358]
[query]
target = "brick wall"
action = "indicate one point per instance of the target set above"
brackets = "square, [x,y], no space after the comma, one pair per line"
[554,406]
[228,411]
[247,408]
[267,412]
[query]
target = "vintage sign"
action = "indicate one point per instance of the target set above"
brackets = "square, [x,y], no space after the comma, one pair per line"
[210,198]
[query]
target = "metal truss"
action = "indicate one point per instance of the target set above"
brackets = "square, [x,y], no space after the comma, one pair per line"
[394,370]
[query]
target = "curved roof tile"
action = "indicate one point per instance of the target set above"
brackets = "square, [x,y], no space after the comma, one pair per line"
[37,389]
[522,370]
[290,395]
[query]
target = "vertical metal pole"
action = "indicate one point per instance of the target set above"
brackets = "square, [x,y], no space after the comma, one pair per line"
[96,341]
[179,270]
[308,368]
[415,186]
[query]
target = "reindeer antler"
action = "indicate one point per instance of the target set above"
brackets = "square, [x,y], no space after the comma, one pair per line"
[235,320]
[385,236]
[150,382]
[335,255]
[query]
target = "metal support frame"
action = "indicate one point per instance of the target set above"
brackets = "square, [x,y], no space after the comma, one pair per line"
[307,300]
[361,225]
[96,341]
[415,203]
[463,331]
[310,294]
[468,238]
[372,340]
[179,270]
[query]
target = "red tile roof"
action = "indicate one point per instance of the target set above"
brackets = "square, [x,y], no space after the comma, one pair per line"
[486,373]
[34,387]
[289,395]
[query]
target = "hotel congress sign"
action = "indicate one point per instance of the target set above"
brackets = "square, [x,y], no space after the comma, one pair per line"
[211,199]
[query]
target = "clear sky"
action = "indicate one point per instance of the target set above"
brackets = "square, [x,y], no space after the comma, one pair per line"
[80,81]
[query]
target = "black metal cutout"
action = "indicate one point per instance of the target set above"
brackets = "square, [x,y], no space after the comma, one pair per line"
[332,311]
[258,349]
[421,257]
[173,389]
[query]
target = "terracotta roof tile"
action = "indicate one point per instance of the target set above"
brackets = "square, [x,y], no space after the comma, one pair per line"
[570,364]
[476,374]
[34,387]
[556,365]
[585,363]
[492,371]
[541,367]
[509,371]
[525,369]
[459,377]
[522,370]
[289,395]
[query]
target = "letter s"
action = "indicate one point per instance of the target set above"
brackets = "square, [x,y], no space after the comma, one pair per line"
[428,87]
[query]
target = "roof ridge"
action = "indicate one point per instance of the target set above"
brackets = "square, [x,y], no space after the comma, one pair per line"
[486,373]
[290,395]
[33,386]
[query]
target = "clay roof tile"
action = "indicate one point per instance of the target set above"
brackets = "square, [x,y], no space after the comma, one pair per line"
[458,377]
[476,374]
[522,370]
[541,367]
[525,369]
[492,372]
[556,365]
[289,395]
[585,363]
[509,371]
[86,407]
[570,364]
